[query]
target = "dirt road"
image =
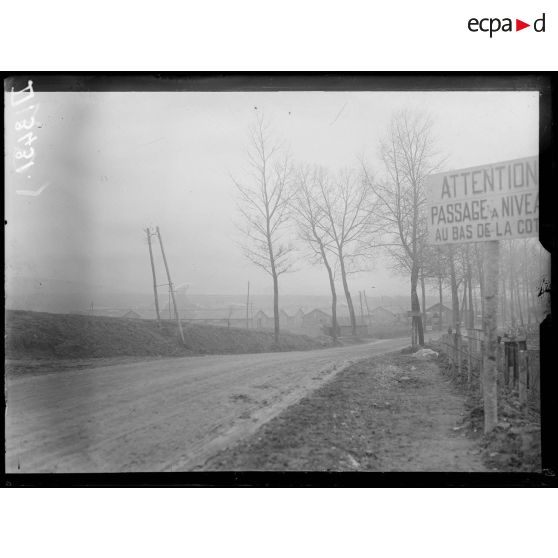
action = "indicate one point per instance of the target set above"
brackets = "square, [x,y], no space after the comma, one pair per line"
[165,415]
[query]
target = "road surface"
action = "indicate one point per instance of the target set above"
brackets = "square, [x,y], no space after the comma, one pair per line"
[158,415]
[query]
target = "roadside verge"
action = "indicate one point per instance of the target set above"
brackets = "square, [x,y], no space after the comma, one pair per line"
[387,413]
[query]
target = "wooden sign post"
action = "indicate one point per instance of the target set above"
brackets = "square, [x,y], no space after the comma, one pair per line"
[486,204]
[490,360]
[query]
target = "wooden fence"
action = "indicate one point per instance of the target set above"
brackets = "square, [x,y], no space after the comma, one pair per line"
[518,363]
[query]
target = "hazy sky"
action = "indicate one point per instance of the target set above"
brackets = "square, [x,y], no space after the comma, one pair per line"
[117,162]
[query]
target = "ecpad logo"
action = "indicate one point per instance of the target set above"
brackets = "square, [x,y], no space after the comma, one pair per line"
[493,25]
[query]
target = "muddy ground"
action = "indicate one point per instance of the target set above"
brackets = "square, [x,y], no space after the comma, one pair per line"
[386,413]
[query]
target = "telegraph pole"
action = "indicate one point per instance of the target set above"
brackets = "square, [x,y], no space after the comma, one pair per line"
[149,233]
[171,287]
[247,306]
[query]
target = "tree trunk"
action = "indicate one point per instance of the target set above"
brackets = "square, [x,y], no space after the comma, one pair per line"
[490,371]
[415,307]
[454,294]
[512,288]
[334,326]
[470,289]
[455,313]
[504,303]
[518,295]
[347,293]
[423,298]
[275,307]
[464,308]
[525,279]
[480,266]
[512,303]
[441,302]
[275,278]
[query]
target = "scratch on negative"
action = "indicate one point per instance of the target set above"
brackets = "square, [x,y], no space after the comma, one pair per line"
[338,114]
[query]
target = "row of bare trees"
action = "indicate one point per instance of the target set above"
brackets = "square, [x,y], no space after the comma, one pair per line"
[524,270]
[335,218]
[333,214]
[345,219]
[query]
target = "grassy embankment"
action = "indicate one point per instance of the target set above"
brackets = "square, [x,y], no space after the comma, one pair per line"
[43,336]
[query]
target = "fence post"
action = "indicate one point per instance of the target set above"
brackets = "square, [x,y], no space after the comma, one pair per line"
[522,380]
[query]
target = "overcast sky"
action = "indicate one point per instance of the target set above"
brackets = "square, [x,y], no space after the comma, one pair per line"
[118,162]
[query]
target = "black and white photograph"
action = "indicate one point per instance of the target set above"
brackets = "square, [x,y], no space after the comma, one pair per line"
[272,277]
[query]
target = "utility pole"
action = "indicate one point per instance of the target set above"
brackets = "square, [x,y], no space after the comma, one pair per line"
[171,287]
[247,306]
[149,234]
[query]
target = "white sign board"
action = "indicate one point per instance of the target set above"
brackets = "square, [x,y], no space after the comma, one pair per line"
[490,202]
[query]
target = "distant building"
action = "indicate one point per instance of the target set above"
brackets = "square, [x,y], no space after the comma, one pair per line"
[314,322]
[263,321]
[433,315]
[297,319]
[284,319]
[382,316]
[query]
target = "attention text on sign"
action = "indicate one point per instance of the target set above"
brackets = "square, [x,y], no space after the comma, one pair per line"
[490,202]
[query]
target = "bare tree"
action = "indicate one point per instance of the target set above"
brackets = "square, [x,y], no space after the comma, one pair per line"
[312,225]
[408,155]
[347,203]
[264,205]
